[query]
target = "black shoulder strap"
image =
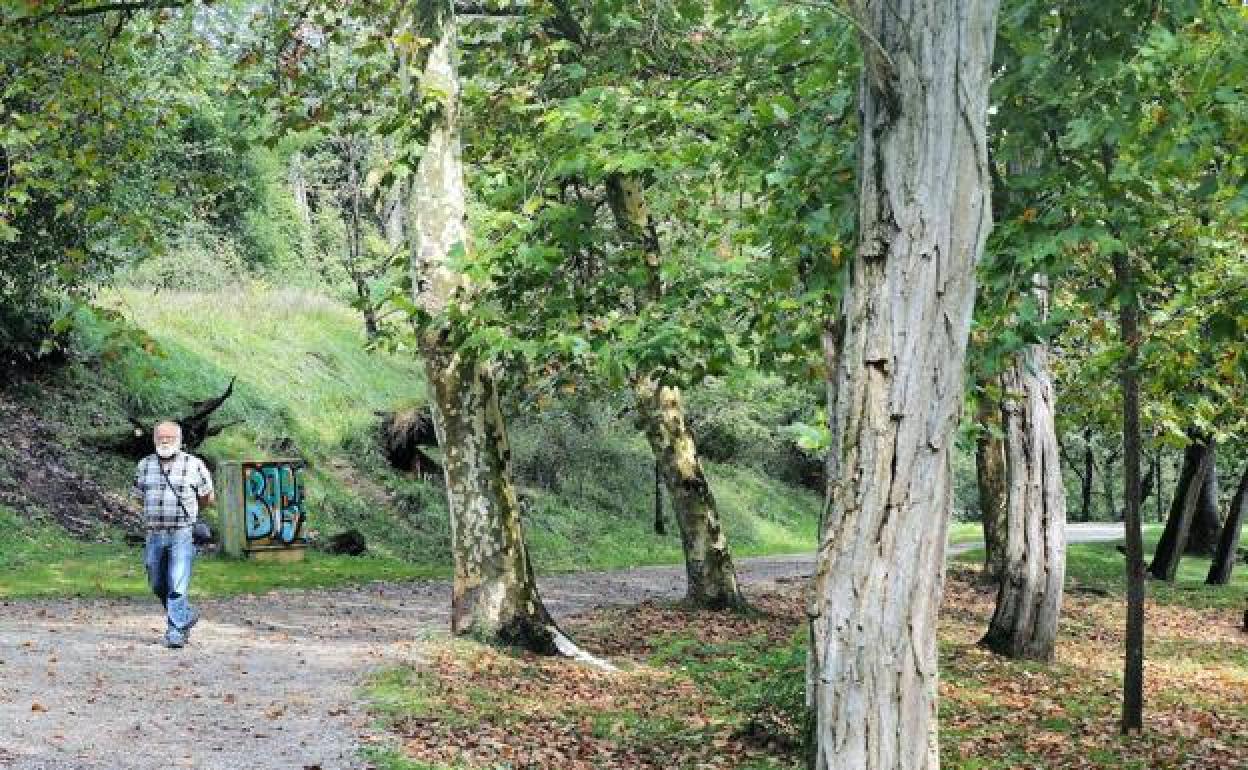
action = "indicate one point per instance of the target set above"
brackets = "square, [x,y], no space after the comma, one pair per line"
[169,484]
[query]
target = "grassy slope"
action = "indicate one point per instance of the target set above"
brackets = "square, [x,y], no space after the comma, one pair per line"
[305,384]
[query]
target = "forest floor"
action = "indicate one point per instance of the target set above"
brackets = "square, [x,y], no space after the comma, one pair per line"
[717,691]
[271,681]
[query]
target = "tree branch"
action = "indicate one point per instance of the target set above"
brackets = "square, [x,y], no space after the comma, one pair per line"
[129,6]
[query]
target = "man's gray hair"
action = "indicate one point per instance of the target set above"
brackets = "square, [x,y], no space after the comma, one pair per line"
[168,423]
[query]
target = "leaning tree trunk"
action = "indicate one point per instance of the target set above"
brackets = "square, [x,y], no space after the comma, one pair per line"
[1196,461]
[1206,523]
[896,392]
[1029,596]
[712,580]
[1228,543]
[990,474]
[494,596]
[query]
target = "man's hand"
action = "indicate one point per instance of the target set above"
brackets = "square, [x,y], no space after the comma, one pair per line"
[208,500]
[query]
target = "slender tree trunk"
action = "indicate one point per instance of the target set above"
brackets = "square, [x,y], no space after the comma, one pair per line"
[660,526]
[1110,482]
[1133,661]
[924,215]
[354,260]
[1146,487]
[1228,542]
[990,472]
[708,561]
[494,596]
[712,579]
[1206,523]
[1161,487]
[299,190]
[1089,473]
[1169,551]
[1029,597]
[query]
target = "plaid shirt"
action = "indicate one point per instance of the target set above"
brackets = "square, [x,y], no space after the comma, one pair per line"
[187,474]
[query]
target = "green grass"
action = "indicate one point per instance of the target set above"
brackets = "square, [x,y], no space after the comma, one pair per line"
[40,561]
[306,385]
[965,532]
[390,759]
[302,369]
[760,516]
[1099,567]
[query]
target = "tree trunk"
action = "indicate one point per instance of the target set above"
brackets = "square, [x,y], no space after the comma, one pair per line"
[1110,482]
[990,474]
[1133,660]
[660,526]
[1196,460]
[712,580]
[1089,473]
[1029,596]
[1206,523]
[494,596]
[1161,487]
[1146,487]
[1228,543]
[898,385]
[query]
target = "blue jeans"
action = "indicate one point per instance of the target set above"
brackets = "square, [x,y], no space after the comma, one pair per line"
[168,558]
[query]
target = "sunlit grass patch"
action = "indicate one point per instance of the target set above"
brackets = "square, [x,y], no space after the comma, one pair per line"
[43,561]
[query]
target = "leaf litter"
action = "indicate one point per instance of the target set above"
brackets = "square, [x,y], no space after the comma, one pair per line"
[472,706]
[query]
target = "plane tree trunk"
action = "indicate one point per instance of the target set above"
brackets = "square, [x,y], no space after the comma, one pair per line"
[897,387]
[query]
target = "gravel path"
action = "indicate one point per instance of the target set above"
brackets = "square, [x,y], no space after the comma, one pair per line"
[268,683]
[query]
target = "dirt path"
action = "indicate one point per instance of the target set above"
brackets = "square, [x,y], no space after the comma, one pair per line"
[268,683]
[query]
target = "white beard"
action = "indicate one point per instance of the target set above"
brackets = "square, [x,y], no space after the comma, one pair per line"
[166,452]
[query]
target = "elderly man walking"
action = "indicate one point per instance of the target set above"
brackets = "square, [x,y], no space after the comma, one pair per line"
[172,485]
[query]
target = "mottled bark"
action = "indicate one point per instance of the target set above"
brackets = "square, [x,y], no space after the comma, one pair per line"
[898,384]
[1133,659]
[990,472]
[712,580]
[1196,461]
[1206,522]
[711,577]
[1228,542]
[1029,596]
[628,205]
[494,596]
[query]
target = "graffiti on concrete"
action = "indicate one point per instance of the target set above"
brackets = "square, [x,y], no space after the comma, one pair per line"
[273,501]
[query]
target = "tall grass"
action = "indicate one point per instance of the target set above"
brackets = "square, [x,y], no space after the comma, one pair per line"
[303,372]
